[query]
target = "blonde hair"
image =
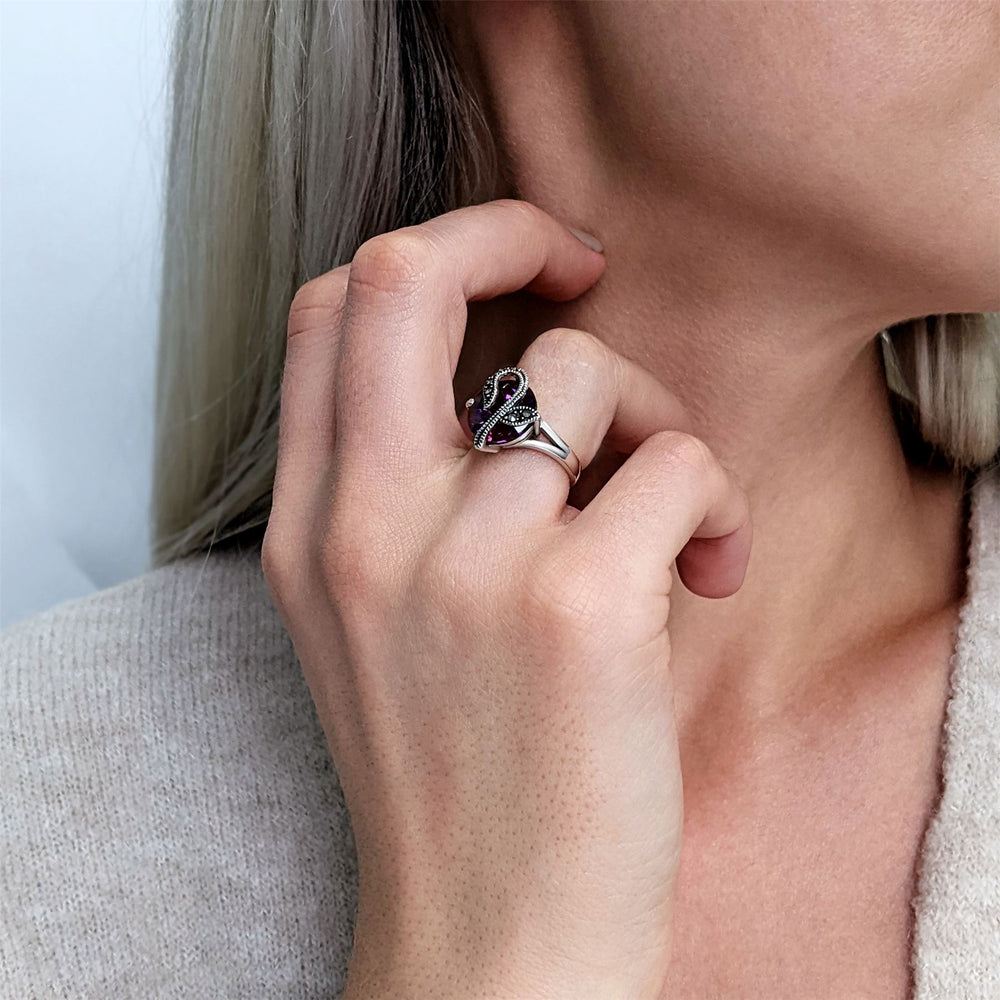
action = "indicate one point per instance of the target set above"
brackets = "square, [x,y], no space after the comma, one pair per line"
[300,128]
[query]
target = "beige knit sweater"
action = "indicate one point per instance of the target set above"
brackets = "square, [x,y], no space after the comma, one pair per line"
[172,826]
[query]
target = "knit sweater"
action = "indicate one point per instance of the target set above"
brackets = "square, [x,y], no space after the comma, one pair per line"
[172,825]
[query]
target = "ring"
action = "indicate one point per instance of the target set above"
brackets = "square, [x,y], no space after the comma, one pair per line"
[504,414]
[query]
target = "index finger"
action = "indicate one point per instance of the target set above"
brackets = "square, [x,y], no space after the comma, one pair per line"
[405,314]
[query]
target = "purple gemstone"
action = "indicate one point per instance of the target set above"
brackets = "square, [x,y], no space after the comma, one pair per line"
[478,414]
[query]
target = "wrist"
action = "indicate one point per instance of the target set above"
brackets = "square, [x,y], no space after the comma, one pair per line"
[444,977]
[450,981]
[429,953]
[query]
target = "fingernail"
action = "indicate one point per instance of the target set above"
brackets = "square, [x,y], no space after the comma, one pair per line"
[587,240]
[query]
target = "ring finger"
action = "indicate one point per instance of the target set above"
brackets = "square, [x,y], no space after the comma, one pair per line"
[404,324]
[589,394]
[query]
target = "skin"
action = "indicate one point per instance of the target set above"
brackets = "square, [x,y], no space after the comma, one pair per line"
[760,229]
[486,697]
[773,184]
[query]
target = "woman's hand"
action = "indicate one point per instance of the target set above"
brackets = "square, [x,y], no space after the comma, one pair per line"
[490,666]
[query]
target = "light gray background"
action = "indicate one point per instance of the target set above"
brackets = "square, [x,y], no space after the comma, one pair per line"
[82,120]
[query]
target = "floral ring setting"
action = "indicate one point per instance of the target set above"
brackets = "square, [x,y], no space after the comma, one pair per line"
[504,414]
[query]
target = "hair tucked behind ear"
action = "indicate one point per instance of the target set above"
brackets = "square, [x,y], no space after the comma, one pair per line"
[301,128]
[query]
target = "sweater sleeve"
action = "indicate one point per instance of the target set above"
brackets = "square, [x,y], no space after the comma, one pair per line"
[172,825]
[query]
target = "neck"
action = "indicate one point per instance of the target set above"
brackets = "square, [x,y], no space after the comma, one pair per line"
[766,327]
[851,541]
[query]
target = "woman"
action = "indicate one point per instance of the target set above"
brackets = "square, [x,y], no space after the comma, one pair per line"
[559,771]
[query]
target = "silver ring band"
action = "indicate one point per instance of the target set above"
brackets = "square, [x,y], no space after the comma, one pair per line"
[504,414]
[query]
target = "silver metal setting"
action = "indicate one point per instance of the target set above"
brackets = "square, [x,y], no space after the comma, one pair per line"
[524,419]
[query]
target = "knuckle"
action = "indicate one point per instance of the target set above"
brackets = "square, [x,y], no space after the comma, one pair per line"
[524,211]
[391,261]
[684,454]
[318,300]
[571,345]
[323,291]
[576,354]
[280,563]
[563,603]
[273,564]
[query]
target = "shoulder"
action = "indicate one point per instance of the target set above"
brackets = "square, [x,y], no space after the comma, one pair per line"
[985,520]
[200,621]
[157,606]
[957,902]
[976,668]
[173,824]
